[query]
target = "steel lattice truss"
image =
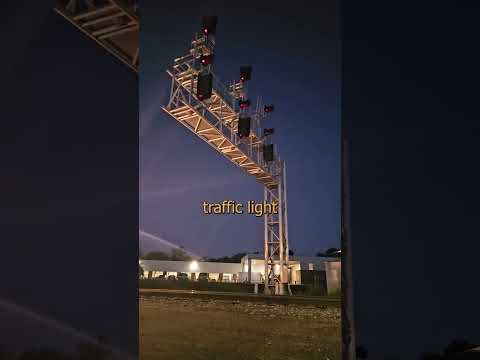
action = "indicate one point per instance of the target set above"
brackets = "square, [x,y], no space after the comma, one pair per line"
[113,24]
[215,121]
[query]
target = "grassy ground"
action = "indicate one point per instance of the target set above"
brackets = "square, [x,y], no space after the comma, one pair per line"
[302,290]
[199,329]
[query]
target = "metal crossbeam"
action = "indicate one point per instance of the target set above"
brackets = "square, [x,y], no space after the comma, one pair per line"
[112,24]
[214,120]
[218,136]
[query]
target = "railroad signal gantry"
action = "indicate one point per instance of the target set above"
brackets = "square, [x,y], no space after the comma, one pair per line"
[221,116]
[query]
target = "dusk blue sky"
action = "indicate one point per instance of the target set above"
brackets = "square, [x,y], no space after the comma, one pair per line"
[295,59]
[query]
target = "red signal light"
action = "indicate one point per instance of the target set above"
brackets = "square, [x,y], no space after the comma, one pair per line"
[268,108]
[209,25]
[206,59]
[245,73]
[244,104]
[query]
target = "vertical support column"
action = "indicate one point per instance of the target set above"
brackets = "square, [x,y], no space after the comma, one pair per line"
[276,241]
[266,276]
[281,235]
[285,212]
[285,220]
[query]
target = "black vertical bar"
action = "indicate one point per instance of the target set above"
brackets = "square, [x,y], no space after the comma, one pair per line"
[348,328]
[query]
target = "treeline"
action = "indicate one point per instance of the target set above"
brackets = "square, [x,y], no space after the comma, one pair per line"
[331,252]
[179,255]
[175,255]
[227,259]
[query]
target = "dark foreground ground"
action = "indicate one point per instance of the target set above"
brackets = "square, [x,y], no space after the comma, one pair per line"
[209,295]
[199,328]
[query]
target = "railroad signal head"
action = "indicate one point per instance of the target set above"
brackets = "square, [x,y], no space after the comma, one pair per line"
[268,108]
[244,126]
[206,59]
[245,73]
[268,153]
[204,86]
[267,132]
[209,25]
[244,104]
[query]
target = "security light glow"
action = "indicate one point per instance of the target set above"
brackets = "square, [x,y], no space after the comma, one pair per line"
[193,266]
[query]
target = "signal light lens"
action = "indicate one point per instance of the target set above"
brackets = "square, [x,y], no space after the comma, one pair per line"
[209,25]
[204,86]
[268,132]
[206,59]
[245,73]
[244,127]
[268,108]
[244,104]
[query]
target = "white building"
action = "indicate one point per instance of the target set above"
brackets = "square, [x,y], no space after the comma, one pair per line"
[223,272]
[302,270]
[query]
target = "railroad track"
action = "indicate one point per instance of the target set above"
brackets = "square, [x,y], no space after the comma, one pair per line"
[269,299]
